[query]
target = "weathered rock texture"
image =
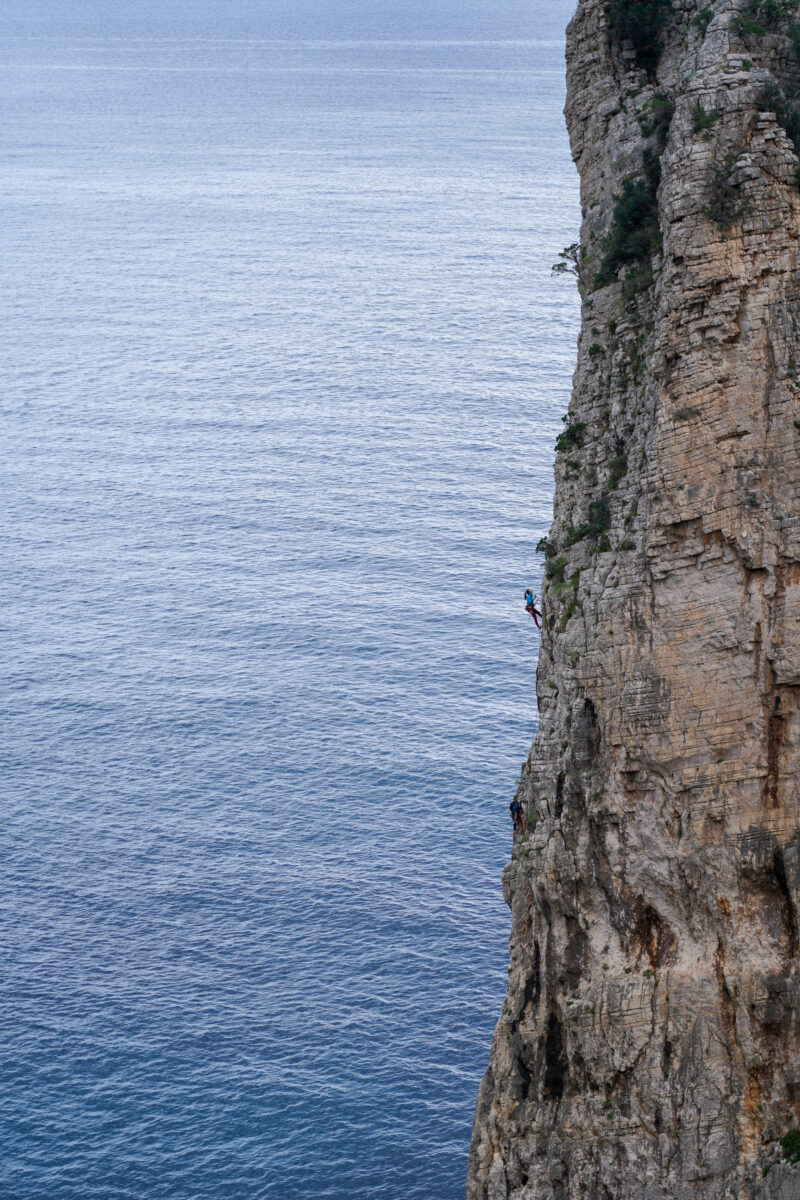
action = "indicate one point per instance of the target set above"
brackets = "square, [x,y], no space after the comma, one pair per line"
[649,1044]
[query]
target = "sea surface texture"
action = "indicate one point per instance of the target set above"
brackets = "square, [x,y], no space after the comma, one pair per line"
[283,367]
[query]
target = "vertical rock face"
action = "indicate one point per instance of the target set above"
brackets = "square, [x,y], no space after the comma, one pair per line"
[649,1044]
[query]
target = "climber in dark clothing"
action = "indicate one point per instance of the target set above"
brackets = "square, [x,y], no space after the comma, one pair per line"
[530,607]
[516,815]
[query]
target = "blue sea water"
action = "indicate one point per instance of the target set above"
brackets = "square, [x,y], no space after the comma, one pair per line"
[283,368]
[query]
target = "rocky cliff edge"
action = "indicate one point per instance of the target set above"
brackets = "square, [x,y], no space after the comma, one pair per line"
[649,1042]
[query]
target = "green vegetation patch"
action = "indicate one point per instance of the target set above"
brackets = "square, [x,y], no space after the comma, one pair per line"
[596,528]
[569,260]
[554,570]
[773,99]
[635,234]
[618,468]
[571,435]
[726,203]
[702,120]
[599,520]
[562,590]
[790,1146]
[640,23]
[702,19]
[759,17]
[655,118]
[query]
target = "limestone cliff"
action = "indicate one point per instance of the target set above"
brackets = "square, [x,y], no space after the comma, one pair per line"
[649,1043]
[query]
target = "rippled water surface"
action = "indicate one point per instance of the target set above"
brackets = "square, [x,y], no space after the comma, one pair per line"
[283,369]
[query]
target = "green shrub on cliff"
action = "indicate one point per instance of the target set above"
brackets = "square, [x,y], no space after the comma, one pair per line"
[772,99]
[702,120]
[596,528]
[640,24]
[569,260]
[790,1145]
[726,203]
[759,17]
[555,569]
[634,235]
[618,468]
[702,19]
[655,118]
[571,435]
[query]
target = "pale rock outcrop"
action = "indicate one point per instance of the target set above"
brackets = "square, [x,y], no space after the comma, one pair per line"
[649,1044]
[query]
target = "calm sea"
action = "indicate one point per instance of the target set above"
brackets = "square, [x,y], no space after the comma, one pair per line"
[283,368]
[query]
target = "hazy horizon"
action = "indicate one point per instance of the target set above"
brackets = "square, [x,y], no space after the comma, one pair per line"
[315,19]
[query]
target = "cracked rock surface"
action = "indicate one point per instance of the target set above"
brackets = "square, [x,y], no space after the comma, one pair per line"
[649,1043]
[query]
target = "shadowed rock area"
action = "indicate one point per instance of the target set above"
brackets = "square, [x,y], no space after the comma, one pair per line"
[649,1043]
